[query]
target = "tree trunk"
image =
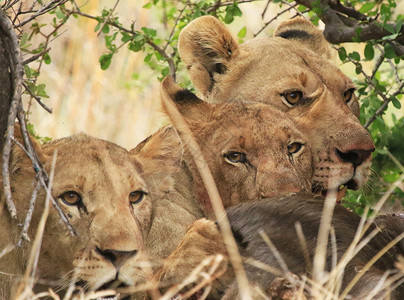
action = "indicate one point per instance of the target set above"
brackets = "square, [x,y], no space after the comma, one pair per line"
[5,86]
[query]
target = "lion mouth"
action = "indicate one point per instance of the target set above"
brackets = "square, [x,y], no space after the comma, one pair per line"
[113,285]
[110,285]
[340,191]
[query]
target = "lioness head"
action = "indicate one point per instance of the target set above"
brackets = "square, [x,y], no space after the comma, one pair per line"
[98,187]
[253,150]
[291,72]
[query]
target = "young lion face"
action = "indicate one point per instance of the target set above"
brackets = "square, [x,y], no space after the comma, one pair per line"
[288,72]
[98,187]
[253,150]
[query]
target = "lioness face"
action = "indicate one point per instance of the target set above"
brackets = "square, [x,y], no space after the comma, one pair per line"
[252,149]
[286,72]
[98,187]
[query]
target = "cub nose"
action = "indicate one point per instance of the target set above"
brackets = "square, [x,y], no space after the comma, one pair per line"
[354,156]
[117,257]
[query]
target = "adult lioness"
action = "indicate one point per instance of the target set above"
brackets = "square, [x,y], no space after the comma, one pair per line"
[252,149]
[99,189]
[289,72]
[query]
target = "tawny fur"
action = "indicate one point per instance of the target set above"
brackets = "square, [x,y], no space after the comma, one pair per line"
[262,69]
[258,130]
[104,174]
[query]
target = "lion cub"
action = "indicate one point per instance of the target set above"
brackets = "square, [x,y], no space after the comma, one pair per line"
[98,187]
[252,149]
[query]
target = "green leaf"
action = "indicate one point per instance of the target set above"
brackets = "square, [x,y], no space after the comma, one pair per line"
[367,7]
[399,25]
[148,5]
[231,12]
[27,71]
[389,51]
[369,52]
[149,31]
[59,13]
[24,39]
[126,37]
[165,71]
[358,69]
[135,46]
[389,28]
[41,91]
[242,32]
[47,59]
[97,27]
[105,61]
[355,56]
[105,29]
[342,54]
[396,103]
[148,57]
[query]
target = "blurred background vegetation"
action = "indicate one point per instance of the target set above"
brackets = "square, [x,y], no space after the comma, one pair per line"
[97,65]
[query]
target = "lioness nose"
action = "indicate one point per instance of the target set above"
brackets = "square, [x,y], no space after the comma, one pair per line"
[354,156]
[117,257]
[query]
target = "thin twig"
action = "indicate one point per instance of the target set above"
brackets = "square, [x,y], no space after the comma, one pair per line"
[273,19]
[175,25]
[213,8]
[38,99]
[28,279]
[36,56]
[107,17]
[383,107]
[28,217]
[42,176]
[43,10]
[167,57]
[265,9]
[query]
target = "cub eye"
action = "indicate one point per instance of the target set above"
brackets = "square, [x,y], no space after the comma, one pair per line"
[136,197]
[70,198]
[291,98]
[348,95]
[235,157]
[294,148]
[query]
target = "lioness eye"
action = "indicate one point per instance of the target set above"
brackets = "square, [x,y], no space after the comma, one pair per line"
[235,157]
[70,198]
[294,147]
[292,97]
[348,95]
[136,197]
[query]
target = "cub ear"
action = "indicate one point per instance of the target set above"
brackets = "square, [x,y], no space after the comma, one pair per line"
[206,46]
[160,158]
[303,31]
[189,105]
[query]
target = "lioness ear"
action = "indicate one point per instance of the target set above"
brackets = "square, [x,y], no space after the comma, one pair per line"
[19,160]
[160,158]
[189,105]
[206,46]
[304,32]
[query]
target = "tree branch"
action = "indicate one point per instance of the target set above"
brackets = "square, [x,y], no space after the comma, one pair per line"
[12,49]
[344,24]
[43,10]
